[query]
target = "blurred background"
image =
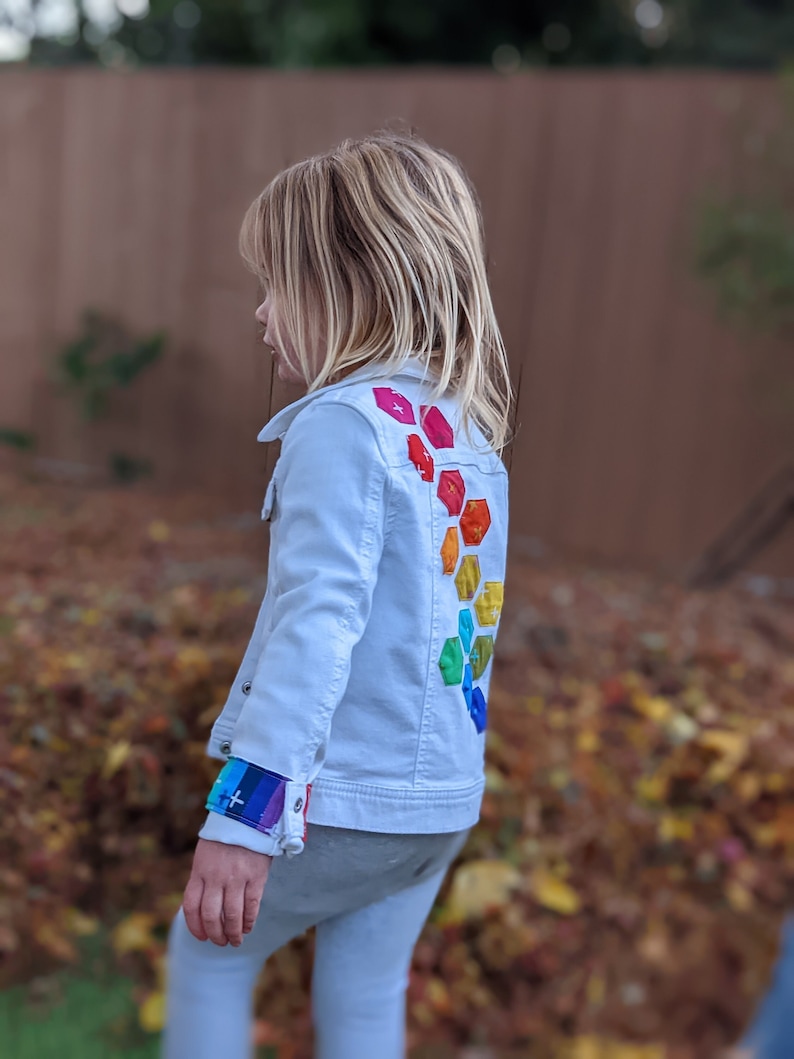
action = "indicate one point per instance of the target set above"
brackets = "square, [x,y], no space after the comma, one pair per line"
[624,893]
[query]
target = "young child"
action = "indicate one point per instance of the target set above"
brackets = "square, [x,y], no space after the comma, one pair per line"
[354,732]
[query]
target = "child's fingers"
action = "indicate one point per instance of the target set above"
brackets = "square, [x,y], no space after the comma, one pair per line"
[233,913]
[191,907]
[253,899]
[211,912]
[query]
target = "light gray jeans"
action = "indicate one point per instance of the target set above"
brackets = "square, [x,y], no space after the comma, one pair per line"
[368,895]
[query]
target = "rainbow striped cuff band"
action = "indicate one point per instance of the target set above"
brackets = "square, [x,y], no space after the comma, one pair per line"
[246,792]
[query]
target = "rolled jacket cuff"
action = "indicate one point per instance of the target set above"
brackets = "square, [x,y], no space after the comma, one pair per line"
[253,807]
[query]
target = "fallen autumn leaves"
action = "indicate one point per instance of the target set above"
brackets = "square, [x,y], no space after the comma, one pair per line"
[636,850]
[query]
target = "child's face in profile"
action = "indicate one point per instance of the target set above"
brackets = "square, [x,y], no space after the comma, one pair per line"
[283,350]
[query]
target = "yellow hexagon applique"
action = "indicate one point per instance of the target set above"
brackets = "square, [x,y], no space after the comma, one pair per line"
[468,577]
[450,550]
[488,604]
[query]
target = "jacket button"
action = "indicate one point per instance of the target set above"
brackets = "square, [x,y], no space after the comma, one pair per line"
[246,687]
[298,805]
[226,746]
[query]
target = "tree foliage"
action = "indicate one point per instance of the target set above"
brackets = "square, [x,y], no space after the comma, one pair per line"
[322,33]
[746,236]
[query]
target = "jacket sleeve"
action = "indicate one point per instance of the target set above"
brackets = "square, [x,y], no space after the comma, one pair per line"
[330,506]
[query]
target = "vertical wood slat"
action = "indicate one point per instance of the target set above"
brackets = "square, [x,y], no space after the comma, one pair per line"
[639,434]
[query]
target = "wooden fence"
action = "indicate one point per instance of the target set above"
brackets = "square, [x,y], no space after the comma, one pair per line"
[644,425]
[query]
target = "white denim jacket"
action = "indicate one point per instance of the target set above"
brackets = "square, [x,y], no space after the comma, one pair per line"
[361,699]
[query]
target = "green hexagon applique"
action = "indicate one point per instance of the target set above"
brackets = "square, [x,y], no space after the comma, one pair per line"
[451,661]
[480,655]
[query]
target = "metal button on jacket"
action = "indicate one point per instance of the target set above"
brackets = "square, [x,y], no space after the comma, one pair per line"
[226,746]
[298,805]
[246,687]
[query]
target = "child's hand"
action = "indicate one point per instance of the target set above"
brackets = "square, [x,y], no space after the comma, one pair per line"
[223,893]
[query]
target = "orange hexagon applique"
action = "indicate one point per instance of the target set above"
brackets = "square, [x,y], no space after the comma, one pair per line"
[420,457]
[468,577]
[450,550]
[436,427]
[451,491]
[488,604]
[475,521]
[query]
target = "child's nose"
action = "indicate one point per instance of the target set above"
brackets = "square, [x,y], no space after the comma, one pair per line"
[262,313]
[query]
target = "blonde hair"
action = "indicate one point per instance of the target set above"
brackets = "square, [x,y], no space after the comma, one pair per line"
[374,253]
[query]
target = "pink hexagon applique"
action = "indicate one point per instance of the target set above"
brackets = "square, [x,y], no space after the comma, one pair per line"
[436,427]
[451,491]
[420,457]
[394,404]
[475,521]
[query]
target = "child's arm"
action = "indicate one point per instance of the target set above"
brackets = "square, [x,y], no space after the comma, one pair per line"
[331,510]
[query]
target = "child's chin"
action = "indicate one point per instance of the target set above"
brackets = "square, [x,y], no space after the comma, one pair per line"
[286,374]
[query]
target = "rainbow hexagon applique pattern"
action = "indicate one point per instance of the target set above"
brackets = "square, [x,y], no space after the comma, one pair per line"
[464,657]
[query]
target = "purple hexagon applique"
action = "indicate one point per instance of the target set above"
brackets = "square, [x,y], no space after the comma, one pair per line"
[436,427]
[394,404]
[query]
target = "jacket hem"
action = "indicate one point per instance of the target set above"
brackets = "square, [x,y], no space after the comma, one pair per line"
[389,810]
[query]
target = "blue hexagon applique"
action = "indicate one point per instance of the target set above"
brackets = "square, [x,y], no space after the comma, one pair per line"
[466,629]
[478,710]
[467,686]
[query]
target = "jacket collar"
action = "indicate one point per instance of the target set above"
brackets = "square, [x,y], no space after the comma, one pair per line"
[277,426]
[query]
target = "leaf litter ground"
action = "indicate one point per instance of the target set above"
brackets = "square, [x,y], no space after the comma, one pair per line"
[623,893]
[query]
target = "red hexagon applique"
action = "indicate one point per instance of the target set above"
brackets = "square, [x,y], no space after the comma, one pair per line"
[420,457]
[475,521]
[451,491]
[394,404]
[436,427]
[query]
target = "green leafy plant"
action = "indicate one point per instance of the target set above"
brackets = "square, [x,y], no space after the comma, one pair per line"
[103,358]
[745,240]
[126,469]
[22,440]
